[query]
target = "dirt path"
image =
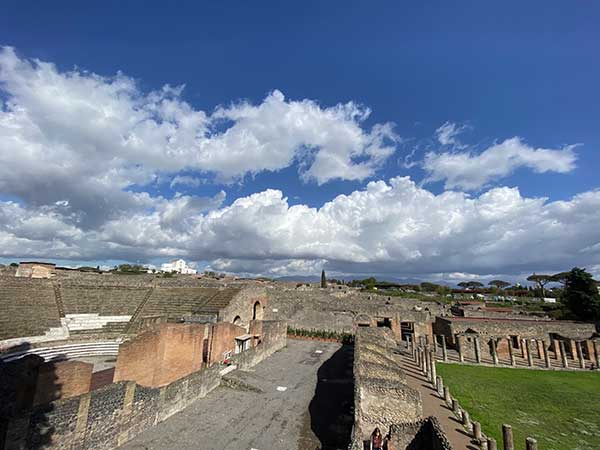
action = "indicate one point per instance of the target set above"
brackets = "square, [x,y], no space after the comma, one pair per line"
[434,405]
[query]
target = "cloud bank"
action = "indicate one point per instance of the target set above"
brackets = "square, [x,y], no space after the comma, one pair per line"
[81,156]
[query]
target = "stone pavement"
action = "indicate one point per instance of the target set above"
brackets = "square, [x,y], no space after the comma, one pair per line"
[264,409]
[434,405]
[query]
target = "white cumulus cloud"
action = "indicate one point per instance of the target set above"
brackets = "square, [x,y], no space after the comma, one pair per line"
[469,171]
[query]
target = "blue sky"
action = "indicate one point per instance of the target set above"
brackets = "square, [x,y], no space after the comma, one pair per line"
[490,72]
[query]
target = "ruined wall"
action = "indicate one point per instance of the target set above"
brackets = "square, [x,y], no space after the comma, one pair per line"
[110,416]
[381,395]
[273,337]
[242,305]
[311,308]
[62,379]
[223,340]
[426,434]
[162,355]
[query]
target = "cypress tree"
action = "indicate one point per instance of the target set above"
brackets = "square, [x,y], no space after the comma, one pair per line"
[323,280]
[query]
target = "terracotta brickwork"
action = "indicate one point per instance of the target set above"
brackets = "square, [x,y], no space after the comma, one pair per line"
[223,340]
[162,355]
[64,379]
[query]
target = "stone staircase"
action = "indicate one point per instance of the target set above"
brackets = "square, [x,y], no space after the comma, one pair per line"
[28,307]
[175,303]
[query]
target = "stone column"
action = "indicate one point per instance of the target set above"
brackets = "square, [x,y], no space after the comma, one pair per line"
[455,407]
[460,340]
[573,349]
[428,363]
[477,431]
[563,354]
[435,344]
[540,349]
[580,355]
[494,352]
[546,354]
[447,397]
[556,348]
[477,350]
[531,444]
[511,353]
[507,437]
[492,444]
[523,348]
[417,359]
[439,385]
[444,349]
[433,368]
[466,420]
[597,353]
[528,349]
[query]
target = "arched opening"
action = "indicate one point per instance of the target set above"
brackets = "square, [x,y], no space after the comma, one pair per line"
[257,311]
[237,321]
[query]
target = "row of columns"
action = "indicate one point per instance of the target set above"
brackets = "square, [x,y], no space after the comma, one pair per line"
[424,356]
[560,353]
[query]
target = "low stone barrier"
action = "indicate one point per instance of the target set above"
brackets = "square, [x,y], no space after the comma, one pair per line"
[425,357]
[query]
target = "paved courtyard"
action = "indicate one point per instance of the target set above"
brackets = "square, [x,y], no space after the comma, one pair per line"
[295,400]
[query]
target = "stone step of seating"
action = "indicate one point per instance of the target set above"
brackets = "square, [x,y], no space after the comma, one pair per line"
[69,351]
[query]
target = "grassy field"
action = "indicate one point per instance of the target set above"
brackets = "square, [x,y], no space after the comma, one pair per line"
[560,409]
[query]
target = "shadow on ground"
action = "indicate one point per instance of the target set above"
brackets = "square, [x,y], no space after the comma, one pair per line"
[330,410]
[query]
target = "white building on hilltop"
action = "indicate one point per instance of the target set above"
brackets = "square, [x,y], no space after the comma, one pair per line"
[179,266]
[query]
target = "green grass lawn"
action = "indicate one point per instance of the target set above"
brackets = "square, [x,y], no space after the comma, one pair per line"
[559,409]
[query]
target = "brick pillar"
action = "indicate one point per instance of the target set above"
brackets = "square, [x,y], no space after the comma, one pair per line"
[126,412]
[546,355]
[531,444]
[528,350]
[511,353]
[444,349]
[507,437]
[580,355]
[82,419]
[563,354]
[494,352]
[477,350]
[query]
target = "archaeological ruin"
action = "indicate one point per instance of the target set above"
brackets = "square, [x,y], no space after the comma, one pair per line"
[96,360]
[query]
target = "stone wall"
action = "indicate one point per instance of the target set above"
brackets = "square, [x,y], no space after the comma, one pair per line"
[320,309]
[381,396]
[109,416]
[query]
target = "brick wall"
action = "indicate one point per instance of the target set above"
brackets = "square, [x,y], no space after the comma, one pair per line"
[62,379]
[159,356]
[110,416]
[223,340]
